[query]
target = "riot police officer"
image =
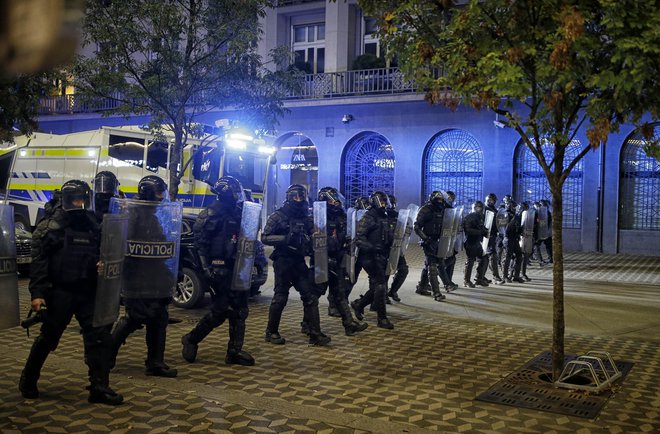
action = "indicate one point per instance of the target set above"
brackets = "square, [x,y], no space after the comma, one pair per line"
[216,233]
[150,311]
[490,202]
[475,230]
[428,226]
[289,229]
[512,244]
[106,186]
[65,252]
[337,242]
[374,239]
[402,266]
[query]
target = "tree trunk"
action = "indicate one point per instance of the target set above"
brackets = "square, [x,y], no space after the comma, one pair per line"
[557,281]
[176,155]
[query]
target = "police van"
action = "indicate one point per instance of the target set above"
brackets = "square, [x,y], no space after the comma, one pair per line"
[35,166]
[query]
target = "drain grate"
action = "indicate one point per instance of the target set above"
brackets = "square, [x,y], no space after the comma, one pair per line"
[525,388]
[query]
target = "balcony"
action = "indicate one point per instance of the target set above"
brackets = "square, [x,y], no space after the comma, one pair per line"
[366,82]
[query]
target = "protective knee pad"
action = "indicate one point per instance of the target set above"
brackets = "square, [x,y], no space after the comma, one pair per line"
[46,342]
[280,300]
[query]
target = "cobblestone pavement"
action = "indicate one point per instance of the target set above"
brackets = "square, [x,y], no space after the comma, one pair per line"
[423,376]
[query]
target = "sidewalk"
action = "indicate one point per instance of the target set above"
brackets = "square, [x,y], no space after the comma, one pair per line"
[421,377]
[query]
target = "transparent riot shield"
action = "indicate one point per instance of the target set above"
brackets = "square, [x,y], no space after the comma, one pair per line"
[114,230]
[152,247]
[502,220]
[543,230]
[9,315]
[527,239]
[242,276]
[412,215]
[489,217]
[458,235]
[399,233]
[446,241]
[355,218]
[320,242]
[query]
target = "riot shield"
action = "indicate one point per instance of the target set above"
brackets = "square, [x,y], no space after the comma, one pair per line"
[320,242]
[356,216]
[412,215]
[152,247]
[543,231]
[527,240]
[446,241]
[242,276]
[399,233]
[9,315]
[458,236]
[502,220]
[488,222]
[114,229]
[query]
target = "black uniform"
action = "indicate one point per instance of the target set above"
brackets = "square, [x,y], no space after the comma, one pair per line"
[289,230]
[474,228]
[374,239]
[65,250]
[512,247]
[216,234]
[492,246]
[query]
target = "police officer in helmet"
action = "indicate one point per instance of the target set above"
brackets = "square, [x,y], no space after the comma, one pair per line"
[289,229]
[474,228]
[65,252]
[151,312]
[106,186]
[216,234]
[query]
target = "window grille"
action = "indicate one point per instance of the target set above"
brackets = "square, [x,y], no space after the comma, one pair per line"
[368,166]
[640,185]
[531,184]
[454,161]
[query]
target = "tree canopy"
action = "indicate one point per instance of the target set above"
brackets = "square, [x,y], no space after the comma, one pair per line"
[179,59]
[551,67]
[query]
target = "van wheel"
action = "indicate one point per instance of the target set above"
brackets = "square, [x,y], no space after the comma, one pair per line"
[189,290]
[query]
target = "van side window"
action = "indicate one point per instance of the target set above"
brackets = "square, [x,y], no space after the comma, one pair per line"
[156,156]
[127,149]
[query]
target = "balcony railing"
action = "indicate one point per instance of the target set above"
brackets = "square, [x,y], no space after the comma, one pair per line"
[364,82]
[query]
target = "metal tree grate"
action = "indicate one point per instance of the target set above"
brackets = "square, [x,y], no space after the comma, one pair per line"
[531,183]
[454,161]
[368,166]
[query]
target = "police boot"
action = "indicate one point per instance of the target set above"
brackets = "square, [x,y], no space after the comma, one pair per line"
[274,316]
[435,286]
[358,307]
[316,337]
[99,389]
[351,327]
[155,364]
[381,309]
[32,371]
[332,308]
[423,286]
[124,327]
[190,342]
[235,353]
[467,274]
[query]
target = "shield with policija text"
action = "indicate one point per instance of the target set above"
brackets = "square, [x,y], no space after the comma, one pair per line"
[9,314]
[247,238]
[542,217]
[527,239]
[354,216]
[152,247]
[320,242]
[412,215]
[489,218]
[114,229]
[397,242]
[446,240]
[458,234]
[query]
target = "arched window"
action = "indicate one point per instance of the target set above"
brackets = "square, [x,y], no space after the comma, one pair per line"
[640,185]
[532,185]
[454,161]
[367,166]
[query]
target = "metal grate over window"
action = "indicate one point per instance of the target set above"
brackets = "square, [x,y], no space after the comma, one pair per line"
[368,166]
[454,161]
[640,185]
[532,185]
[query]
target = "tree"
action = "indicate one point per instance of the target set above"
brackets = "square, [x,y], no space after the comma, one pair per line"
[176,60]
[550,67]
[19,102]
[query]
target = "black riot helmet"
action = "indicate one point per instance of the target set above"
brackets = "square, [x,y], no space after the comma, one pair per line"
[379,200]
[332,196]
[105,182]
[437,197]
[451,197]
[392,200]
[362,202]
[153,188]
[537,204]
[76,196]
[229,189]
[478,207]
[507,198]
[296,194]
[491,199]
[511,205]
